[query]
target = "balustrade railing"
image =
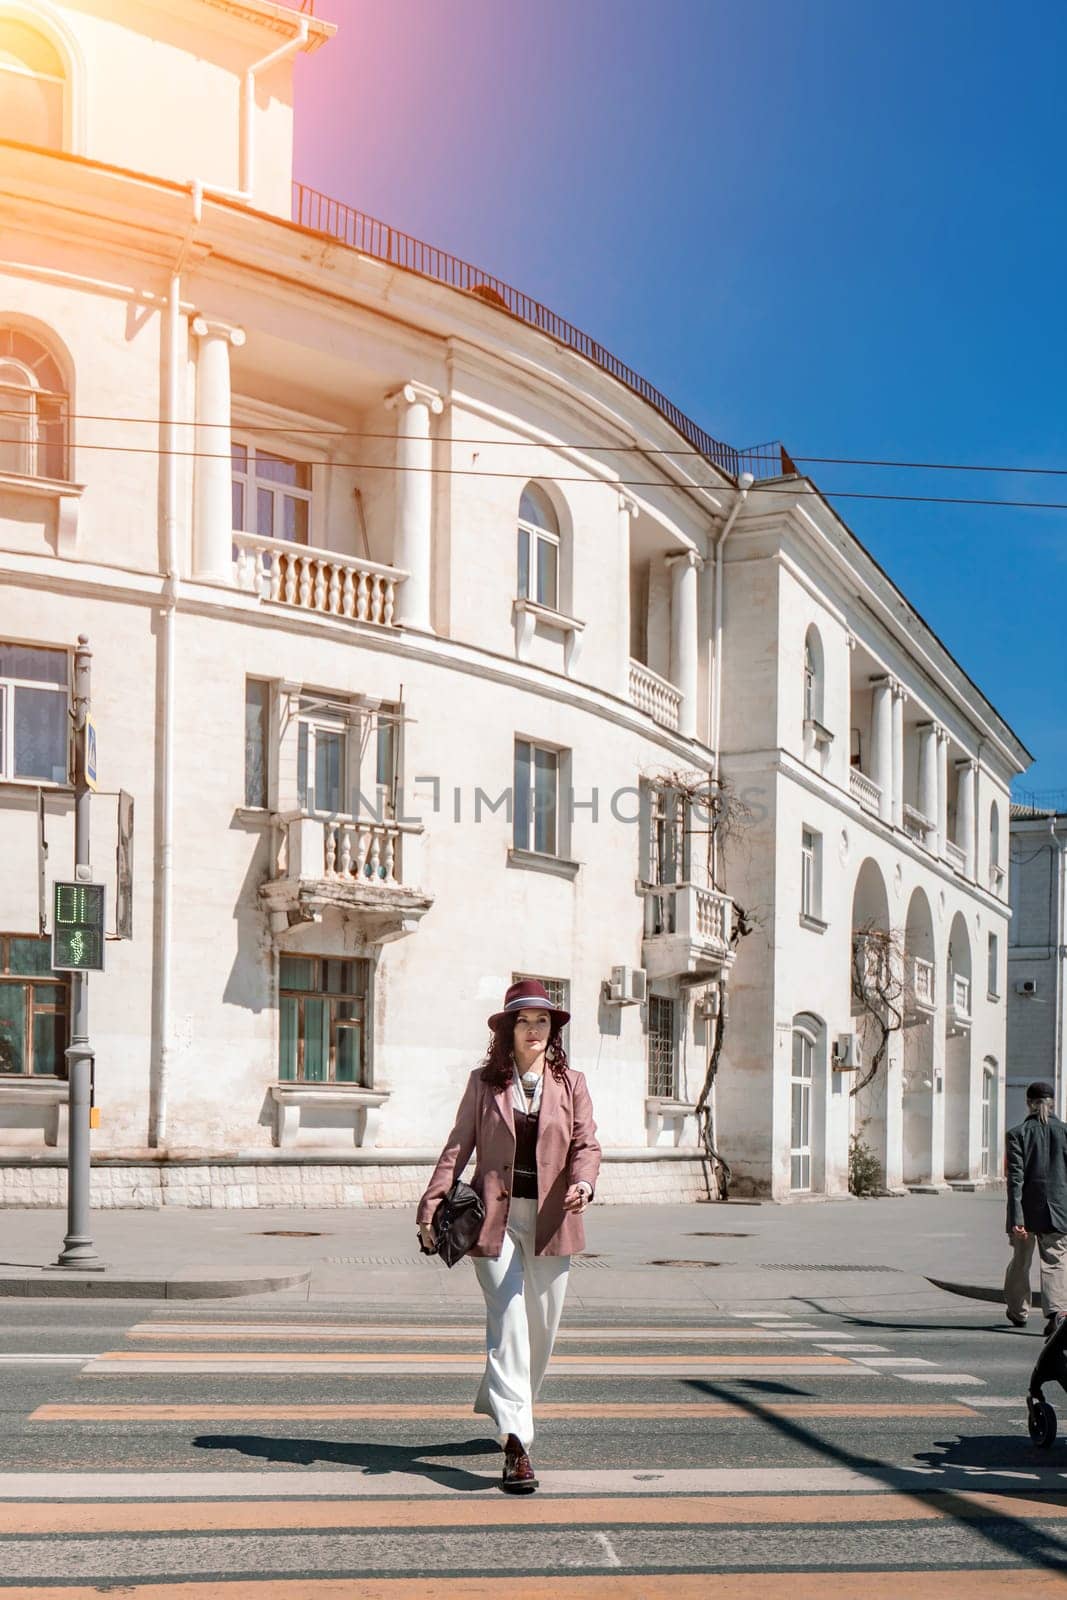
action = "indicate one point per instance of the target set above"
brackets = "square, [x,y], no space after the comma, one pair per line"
[654,695]
[923,981]
[956,858]
[364,851]
[865,790]
[917,826]
[712,917]
[316,580]
[961,995]
[702,916]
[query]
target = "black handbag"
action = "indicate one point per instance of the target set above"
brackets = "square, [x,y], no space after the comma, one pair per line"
[457,1222]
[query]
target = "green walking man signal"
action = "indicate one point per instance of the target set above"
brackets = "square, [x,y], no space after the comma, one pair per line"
[78,927]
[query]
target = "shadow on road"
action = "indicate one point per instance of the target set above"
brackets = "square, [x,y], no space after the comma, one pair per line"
[1009,1535]
[369,1458]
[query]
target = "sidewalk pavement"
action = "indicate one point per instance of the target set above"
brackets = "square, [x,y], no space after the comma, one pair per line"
[892,1254]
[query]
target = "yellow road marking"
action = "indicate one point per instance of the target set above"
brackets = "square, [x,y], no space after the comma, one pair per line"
[385,1412]
[982,1583]
[216,1516]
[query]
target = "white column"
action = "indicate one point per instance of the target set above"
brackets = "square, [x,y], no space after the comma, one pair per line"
[882,744]
[684,648]
[899,698]
[942,789]
[928,771]
[213,528]
[414,405]
[965,812]
[628,512]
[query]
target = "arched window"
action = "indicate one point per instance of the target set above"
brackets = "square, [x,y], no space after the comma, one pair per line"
[813,677]
[538,577]
[800,1092]
[33,87]
[33,408]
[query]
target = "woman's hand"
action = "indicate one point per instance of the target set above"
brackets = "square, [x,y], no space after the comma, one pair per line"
[577,1197]
[426,1234]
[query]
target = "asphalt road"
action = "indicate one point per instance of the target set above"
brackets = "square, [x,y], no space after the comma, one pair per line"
[302,1451]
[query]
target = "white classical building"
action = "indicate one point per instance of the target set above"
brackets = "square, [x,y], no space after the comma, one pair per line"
[412,612]
[1037,951]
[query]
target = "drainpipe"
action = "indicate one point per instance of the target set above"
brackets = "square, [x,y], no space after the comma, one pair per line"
[744,484]
[157,1115]
[248,103]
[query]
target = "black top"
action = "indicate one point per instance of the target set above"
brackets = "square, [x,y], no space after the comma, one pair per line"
[1037,1175]
[525,1185]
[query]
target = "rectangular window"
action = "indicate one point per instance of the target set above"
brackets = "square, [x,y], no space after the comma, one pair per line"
[34,1010]
[322,755]
[322,1017]
[257,741]
[662,1048]
[538,575]
[271,494]
[536,808]
[810,874]
[34,721]
[994,967]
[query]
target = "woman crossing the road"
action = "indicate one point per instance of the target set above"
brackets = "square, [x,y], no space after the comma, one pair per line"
[527,1118]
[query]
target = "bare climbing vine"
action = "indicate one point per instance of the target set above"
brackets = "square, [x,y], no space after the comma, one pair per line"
[878,991]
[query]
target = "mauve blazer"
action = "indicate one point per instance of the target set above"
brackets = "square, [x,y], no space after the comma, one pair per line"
[567,1152]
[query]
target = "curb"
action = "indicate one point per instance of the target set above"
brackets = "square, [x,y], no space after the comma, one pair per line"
[98,1286]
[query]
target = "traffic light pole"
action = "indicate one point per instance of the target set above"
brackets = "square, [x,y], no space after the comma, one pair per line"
[78,1249]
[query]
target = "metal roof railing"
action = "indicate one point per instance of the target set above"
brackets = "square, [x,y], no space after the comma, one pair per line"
[320,214]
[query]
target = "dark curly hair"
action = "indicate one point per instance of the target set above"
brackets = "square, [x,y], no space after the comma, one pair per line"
[496,1068]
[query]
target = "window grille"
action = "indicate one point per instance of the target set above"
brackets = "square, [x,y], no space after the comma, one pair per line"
[662,1052]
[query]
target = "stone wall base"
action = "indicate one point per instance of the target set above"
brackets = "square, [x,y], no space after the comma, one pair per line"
[319,1186]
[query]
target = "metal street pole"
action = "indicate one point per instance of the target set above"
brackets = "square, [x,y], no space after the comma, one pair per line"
[78,1249]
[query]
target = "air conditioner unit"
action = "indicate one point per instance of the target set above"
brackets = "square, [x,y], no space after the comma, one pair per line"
[708,1005]
[1026,986]
[847,1053]
[628,986]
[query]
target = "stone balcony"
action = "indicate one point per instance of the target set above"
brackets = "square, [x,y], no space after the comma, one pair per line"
[687,931]
[959,1003]
[324,581]
[956,857]
[864,790]
[654,695]
[920,990]
[356,866]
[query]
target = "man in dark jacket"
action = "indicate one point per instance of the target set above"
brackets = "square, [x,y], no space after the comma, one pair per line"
[1037,1208]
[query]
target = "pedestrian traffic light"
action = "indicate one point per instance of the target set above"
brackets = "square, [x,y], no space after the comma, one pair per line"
[78,927]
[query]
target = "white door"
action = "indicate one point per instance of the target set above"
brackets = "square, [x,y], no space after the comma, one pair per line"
[800,1087]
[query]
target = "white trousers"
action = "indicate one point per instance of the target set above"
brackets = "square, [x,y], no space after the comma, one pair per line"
[524,1295]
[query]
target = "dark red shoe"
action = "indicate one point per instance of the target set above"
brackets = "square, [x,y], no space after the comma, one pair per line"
[518,1471]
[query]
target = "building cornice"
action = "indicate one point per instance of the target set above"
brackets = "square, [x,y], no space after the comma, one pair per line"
[266,14]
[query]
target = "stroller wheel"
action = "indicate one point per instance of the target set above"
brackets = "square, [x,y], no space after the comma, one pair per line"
[1041,1422]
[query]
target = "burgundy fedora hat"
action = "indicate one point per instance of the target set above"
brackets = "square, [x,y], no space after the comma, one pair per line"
[528,995]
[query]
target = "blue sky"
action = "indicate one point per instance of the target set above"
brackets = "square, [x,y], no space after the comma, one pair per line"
[838,224]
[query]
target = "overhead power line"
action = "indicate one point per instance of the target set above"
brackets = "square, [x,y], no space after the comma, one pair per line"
[322,431]
[612,483]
